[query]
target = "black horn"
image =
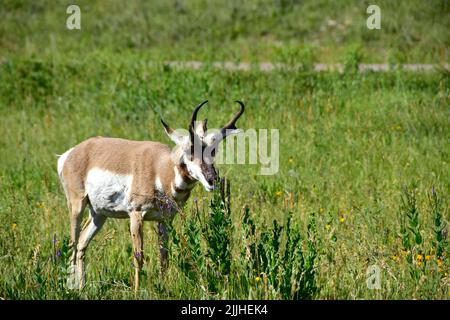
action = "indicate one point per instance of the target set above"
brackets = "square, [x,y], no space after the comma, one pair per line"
[194,118]
[231,125]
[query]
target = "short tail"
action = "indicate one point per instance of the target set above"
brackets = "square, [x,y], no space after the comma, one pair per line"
[61,160]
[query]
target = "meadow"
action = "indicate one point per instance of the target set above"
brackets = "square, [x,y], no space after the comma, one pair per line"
[363,182]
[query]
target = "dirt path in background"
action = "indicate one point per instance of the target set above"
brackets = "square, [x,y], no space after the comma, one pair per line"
[268,66]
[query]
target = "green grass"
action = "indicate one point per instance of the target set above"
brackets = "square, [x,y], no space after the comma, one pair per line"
[348,145]
[258,30]
[360,154]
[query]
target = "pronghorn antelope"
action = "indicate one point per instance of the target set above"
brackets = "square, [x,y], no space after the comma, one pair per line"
[139,180]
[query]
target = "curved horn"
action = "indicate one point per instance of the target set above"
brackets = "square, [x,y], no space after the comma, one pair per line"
[232,123]
[194,118]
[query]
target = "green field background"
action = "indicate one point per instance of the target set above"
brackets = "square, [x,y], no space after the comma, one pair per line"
[365,155]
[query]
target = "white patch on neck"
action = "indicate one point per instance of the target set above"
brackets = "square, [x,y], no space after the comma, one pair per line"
[179,181]
[158,184]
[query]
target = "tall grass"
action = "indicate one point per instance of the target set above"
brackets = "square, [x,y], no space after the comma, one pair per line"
[364,171]
[349,144]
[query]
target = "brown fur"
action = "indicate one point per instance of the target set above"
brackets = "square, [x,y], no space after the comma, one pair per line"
[144,160]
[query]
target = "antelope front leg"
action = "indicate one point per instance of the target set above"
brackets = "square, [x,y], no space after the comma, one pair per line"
[136,228]
[163,246]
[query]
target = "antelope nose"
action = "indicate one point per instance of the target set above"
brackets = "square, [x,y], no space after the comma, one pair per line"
[210,180]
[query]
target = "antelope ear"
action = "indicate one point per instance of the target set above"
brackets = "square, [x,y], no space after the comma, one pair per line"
[230,132]
[214,137]
[174,135]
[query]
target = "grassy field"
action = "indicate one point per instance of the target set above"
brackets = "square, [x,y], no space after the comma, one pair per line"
[364,158]
[256,30]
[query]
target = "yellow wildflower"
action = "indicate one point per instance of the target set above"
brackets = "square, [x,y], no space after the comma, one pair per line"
[278,193]
[321,210]
[395,257]
[342,219]
[405,252]
[440,262]
[419,257]
[258,279]
[328,226]
[14,226]
[428,257]
[291,160]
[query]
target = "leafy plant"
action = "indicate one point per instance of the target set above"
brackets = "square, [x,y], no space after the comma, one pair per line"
[440,239]
[217,232]
[410,229]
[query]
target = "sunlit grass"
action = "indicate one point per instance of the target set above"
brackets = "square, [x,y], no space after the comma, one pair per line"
[351,148]
[364,158]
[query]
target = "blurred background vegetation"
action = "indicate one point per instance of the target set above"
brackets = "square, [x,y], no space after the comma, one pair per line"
[261,30]
[364,157]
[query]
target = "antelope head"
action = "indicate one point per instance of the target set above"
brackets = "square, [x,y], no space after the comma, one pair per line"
[196,150]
